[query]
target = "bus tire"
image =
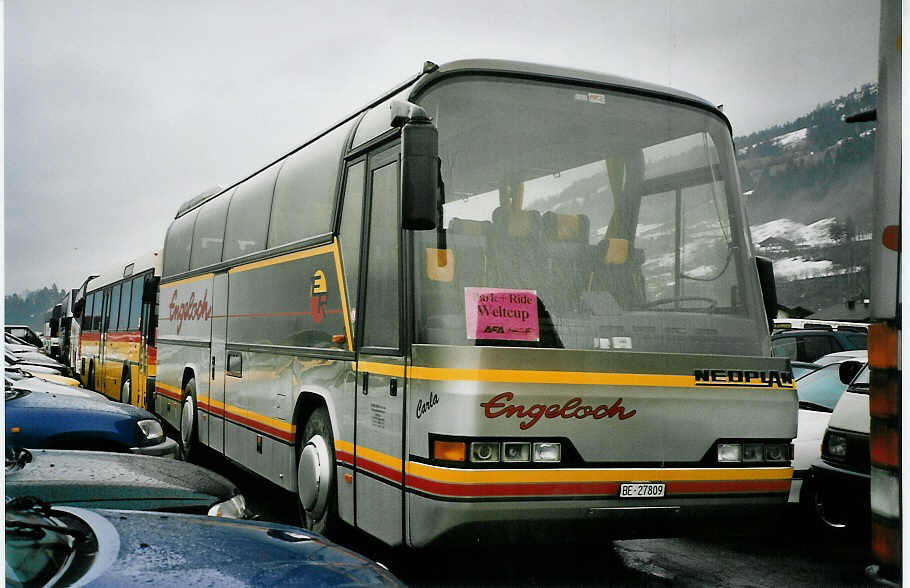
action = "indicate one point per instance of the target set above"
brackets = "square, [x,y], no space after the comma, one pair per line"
[317,488]
[125,389]
[189,434]
[91,377]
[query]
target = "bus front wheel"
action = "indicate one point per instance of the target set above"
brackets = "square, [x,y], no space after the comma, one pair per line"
[188,431]
[317,491]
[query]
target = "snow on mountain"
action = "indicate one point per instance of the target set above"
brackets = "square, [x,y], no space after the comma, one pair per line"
[815,234]
[791,139]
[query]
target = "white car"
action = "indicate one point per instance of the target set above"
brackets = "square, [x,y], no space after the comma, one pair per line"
[818,393]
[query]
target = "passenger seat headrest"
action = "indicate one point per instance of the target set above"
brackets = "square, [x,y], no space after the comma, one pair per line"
[617,251]
[566,227]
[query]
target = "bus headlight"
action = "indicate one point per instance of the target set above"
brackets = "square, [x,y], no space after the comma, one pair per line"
[151,430]
[729,452]
[546,452]
[753,452]
[235,508]
[512,451]
[484,451]
[778,452]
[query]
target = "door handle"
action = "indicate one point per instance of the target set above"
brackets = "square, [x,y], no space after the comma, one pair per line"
[365,385]
[213,367]
[393,387]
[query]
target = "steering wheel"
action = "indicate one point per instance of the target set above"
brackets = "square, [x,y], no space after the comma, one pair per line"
[662,301]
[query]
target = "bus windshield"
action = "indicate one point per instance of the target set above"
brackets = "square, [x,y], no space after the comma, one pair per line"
[581,218]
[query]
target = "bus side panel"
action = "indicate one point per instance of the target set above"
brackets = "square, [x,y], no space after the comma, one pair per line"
[278,309]
[184,343]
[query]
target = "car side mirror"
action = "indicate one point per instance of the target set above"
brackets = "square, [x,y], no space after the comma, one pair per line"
[848,371]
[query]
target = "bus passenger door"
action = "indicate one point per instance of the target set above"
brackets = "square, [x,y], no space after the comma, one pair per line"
[380,384]
[216,368]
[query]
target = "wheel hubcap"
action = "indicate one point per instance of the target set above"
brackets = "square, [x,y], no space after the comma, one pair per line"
[186,430]
[314,476]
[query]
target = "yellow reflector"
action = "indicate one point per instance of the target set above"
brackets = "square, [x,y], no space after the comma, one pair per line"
[882,346]
[14,429]
[449,450]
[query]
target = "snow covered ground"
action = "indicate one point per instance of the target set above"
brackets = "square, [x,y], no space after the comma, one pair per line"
[815,234]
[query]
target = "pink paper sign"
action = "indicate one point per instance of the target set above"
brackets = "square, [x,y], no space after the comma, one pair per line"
[500,313]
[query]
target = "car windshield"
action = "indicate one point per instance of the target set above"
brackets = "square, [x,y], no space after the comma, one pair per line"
[583,219]
[822,387]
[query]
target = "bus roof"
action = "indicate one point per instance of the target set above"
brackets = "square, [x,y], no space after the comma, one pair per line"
[539,70]
[431,73]
[144,262]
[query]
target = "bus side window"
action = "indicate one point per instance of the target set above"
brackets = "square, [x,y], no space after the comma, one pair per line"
[350,232]
[382,297]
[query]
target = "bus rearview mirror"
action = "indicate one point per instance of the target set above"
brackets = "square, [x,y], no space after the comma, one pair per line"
[419,174]
[768,288]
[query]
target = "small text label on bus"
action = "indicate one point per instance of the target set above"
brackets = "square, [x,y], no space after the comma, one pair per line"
[500,405]
[750,378]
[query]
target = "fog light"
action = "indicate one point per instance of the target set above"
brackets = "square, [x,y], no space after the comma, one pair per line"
[548,452]
[753,452]
[516,451]
[484,451]
[776,452]
[729,452]
[836,446]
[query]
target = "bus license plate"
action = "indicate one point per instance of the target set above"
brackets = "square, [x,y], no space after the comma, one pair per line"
[642,490]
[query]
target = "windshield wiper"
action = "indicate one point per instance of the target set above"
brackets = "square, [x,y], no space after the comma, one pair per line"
[29,505]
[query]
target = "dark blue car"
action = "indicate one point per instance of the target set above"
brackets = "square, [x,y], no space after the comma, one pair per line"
[127,548]
[48,420]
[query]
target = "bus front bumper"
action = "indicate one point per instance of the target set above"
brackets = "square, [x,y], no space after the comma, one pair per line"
[561,521]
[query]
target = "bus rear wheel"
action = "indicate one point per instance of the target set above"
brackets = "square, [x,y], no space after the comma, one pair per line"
[188,431]
[317,490]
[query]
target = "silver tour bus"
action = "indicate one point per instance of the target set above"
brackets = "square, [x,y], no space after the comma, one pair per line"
[501,297]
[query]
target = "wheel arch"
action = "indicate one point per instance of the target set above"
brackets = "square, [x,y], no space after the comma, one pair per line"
[307,401]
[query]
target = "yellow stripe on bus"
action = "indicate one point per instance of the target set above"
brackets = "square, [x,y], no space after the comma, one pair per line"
[282,259]
[579,475]
[441,474]
[342,295]
[253,416]
[537,376]
[187,280]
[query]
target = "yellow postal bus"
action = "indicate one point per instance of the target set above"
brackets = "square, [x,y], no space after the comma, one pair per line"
[116,351]
[501,297]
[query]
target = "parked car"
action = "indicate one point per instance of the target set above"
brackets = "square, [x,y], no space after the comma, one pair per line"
[810,344]
[41,373]
[44,420]
[26,333]
[23,381]
[856,354]
[33,358]
[818,392]
[838,484]
[125,548]
[17,345]
[100,479]
[801,368]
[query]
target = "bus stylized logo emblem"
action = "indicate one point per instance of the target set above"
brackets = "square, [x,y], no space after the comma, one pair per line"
[318,296]
[743,378]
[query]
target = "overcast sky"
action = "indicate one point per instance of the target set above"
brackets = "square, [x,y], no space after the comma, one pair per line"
[116,112]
